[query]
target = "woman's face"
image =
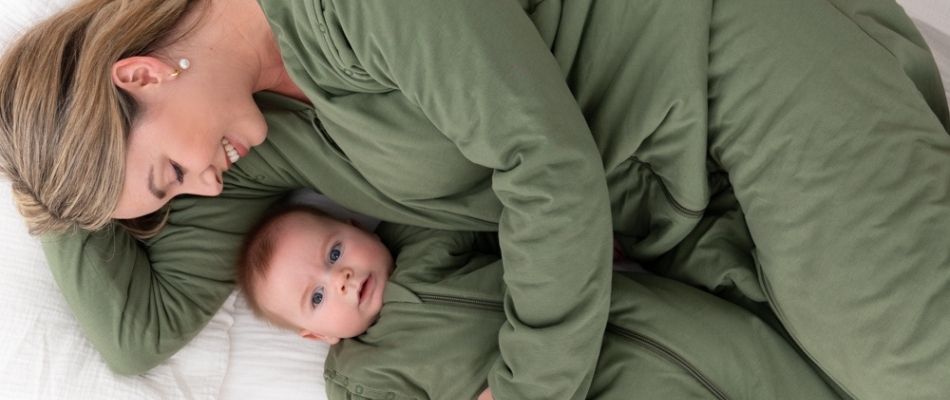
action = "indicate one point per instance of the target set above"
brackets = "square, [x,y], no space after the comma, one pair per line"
[181,138]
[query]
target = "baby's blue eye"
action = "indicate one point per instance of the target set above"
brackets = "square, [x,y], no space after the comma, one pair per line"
[316,298]
[335,253]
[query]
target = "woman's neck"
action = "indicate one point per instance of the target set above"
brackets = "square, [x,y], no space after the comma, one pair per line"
[287,87]
[273,74]
[236,37]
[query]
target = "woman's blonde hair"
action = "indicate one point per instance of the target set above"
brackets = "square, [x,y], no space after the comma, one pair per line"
[64,124]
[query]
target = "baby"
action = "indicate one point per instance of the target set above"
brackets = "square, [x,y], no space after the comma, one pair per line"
[433,333]
[306,271]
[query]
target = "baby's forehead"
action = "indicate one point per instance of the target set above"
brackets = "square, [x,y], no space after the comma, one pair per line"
[294,235]
[295,222]
[297,234]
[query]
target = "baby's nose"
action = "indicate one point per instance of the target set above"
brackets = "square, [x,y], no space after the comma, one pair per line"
[345,276]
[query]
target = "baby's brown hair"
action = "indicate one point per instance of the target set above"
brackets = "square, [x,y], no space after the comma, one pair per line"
[257,251]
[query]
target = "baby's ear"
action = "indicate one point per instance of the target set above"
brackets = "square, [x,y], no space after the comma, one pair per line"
[314,336]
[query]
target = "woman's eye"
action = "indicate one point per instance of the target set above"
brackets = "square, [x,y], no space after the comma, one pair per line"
[335,253]
[179,173]
[316,298]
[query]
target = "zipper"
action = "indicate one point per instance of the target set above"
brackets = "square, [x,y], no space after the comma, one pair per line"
[644,341]
[669,355]
[460,301]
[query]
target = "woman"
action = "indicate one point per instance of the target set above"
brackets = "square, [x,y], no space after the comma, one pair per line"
[170,89]
[456,115]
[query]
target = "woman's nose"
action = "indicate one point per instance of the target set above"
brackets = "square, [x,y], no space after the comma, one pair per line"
[207,183]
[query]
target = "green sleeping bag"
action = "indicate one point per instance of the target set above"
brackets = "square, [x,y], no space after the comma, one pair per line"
[436,337]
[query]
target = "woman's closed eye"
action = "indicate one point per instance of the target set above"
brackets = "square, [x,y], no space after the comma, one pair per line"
[317,297]
[335,253]
[179,172]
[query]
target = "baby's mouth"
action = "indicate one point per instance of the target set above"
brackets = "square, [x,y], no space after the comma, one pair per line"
[231,152]
[365,289]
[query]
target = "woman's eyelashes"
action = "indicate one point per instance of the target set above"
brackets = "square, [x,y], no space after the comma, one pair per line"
[335,253]
[179,172]
[317,297]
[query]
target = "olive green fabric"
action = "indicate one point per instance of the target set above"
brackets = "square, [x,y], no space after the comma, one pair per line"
[844,183]
[435,338]
[825,118]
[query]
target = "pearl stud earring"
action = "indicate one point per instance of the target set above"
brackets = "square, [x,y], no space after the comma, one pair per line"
[183,64]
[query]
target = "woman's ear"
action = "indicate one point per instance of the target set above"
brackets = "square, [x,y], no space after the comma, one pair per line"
[134,74]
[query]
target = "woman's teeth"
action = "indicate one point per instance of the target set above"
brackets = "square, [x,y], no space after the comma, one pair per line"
[230,151]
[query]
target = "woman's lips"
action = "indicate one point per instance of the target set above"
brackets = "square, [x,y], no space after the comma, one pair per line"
[239,148]
[242,151]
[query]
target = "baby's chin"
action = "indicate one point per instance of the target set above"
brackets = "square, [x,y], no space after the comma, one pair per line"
[371,322]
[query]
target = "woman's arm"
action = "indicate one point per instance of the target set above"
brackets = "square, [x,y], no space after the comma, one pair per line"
[139,303]
[483,76]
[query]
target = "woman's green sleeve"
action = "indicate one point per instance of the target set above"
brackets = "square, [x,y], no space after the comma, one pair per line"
[482,74]
[140,302]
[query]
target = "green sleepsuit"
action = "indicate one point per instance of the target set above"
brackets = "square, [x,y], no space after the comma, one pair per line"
[442,308]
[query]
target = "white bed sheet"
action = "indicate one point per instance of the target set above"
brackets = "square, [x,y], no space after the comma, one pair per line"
[43,355]
[932,18]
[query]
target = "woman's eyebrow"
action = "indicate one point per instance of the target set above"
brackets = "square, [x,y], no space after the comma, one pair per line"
[151,184]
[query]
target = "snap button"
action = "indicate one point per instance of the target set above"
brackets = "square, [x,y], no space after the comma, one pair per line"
[359,389]
[323,28]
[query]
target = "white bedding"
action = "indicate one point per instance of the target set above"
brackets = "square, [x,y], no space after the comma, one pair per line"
[44,356]
[932,18]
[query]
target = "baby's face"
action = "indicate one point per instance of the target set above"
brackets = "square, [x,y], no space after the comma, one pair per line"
[326,277]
